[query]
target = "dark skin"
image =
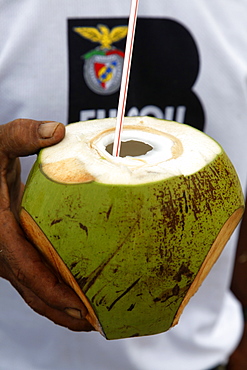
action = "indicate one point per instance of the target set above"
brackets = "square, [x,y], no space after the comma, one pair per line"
[20,263]
[238,360]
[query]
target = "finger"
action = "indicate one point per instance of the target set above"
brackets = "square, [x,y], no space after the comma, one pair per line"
[26,265]
[24,137]
[70,321]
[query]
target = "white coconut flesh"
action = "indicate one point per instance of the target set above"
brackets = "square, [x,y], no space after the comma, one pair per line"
[169,149]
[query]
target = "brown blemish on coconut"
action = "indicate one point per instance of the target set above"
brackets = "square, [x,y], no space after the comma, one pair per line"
[54,222]
[69,171]
[212,256]
[38,238]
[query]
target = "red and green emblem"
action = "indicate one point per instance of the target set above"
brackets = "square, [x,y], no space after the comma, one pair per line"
[103,65]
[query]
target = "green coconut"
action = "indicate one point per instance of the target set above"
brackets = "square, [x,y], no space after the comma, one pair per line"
[133,235]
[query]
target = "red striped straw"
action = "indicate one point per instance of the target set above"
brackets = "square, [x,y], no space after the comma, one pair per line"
[125,77]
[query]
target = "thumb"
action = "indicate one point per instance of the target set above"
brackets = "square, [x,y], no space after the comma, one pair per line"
[24,137]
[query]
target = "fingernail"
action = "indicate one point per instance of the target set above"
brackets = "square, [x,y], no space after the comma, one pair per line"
[73,312]
[47,129]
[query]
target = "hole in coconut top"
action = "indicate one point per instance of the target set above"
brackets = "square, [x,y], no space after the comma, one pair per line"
[131,148]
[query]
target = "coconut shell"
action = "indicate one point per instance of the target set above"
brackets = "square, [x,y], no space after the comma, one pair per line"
[135,254]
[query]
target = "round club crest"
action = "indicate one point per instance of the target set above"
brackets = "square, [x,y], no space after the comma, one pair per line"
[102,72]
[103,65]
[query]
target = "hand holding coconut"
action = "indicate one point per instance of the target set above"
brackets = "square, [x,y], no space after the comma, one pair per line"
[135,235]
[20,263]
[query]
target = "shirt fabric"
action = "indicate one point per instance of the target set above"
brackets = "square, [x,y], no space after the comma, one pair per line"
[189,64]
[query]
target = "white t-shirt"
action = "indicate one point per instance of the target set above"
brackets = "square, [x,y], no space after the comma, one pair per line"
[189,64]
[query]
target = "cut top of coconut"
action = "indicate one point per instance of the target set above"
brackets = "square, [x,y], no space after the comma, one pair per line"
[168,149]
